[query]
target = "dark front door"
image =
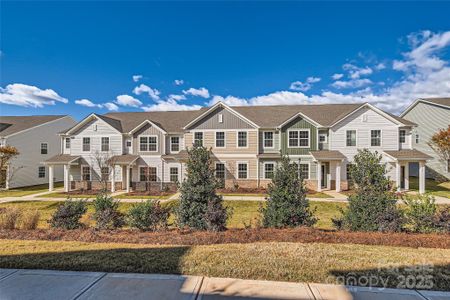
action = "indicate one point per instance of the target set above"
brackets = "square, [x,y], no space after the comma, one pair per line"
[130,177]
[324,176]
[402,177]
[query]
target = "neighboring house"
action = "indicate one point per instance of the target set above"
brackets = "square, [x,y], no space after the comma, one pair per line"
[430,115]
[149,148]
[36,138]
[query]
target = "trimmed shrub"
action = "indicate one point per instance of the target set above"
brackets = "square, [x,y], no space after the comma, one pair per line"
[148,216]
[68,214]
[30,219]
[9,217]
[420,213]
[200,207]
[107,214]
[442,220]
[373,207]
[287,205]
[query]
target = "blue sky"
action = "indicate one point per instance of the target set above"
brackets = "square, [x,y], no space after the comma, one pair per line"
[80,57]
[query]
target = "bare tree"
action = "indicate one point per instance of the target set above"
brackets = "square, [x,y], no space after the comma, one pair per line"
[7,171]
[104,163]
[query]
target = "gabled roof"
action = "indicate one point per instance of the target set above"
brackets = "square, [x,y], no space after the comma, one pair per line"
[442,102]
[407,154]
[111,122]
[13,124]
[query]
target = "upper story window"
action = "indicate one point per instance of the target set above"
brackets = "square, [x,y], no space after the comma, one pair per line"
[242,139]
[220,139]
[242,170]
[351,138]
[198,138]
[128,143]
[322,140]
[86,144]
[417,138]
[220,171]
[298,138]
[402,136]
[105,143]
[375,138]
[44,148]
[67,141]
[269,169]
[148,143]
[268,139]
[41,172]
[174,144]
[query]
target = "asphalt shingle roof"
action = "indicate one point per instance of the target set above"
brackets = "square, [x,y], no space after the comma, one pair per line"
[13,124]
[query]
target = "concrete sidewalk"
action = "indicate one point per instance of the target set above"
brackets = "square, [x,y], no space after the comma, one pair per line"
[61,285]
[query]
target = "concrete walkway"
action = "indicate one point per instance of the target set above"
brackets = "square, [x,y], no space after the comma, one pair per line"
[62,285]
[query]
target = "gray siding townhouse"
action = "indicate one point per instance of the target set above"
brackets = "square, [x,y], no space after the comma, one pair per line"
[430,115]
[149,148]
[36,138]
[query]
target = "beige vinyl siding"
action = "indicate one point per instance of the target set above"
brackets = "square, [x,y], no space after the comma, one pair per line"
[147,130]
[229,121]
[429,118]
[230,142]
[231,167]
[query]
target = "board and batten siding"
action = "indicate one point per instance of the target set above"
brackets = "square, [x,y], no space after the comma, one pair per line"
[95,130]
[374,121]
[147,130]
[429,118]
[299,123]
[30,158]
[229,121]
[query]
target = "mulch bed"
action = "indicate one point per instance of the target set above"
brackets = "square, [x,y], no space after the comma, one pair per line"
[150,193]
[176,237]
[242,191]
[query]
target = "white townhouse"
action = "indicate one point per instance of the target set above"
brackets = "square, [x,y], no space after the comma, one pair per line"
[37,139]
[148,149]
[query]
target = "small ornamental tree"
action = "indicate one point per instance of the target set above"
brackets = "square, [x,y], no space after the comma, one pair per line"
[440,143]
[287,205]
[7,154]
[200,207]
[373,206]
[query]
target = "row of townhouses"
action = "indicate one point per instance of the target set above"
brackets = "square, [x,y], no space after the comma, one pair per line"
[147,150]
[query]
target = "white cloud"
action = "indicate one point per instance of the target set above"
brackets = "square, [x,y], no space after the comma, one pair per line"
[29,96]
[337,76]
[355,72]
[169,105]
[87,103]
[201,92]
[153,93]
[353,83]
[176,97]
[126,100]
[380,66]
[178,81]
[304,86]
[111,106]
[136,78]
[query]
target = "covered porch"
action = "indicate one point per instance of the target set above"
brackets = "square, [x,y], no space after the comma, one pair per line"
[125,162]
[65,160]
[329,163]
[401,159]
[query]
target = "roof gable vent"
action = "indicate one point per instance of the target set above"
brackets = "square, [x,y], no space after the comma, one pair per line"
[220,118]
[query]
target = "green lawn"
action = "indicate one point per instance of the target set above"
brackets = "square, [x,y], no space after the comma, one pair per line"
[310,195]
[64,195]
[126,196]
[245,213]
[295,262]
[432,187]
[29,190]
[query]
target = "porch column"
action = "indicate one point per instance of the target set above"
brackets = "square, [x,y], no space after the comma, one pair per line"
[113,179]
[338,176]
[398,176]
[319,176]
[407,176]
[162,175]
[66,178]
[421,177]
[50,178]
[128,179]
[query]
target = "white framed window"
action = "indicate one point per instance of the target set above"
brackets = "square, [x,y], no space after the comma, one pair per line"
[86,173]
[104,173]
[105,143]
[375,138]
[174,144]
[242,139]
[44,148]
[41,172]
[242,170]
[198,138]
[148,143]
[148,174]
[220,139]
[269,170]
[402,136]
[268,139]
[67,142]
[322,137]
[86,144]
[298,138]
[128,143]
[417,138]
[220,170]
[350,138]
[303,170]
[173,174]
